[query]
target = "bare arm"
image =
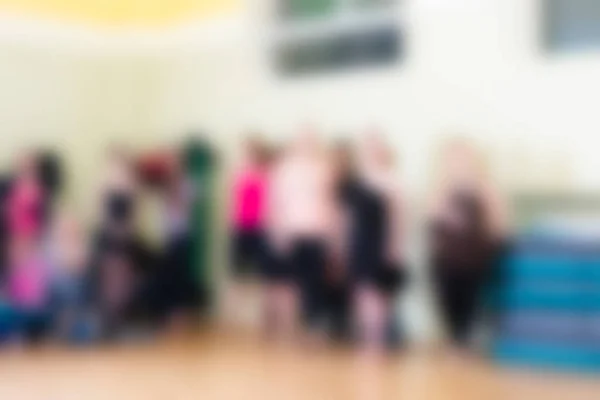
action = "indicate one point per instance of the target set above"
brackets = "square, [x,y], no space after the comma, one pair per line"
[396,206]
[273,206]
[230,198]
[498,213]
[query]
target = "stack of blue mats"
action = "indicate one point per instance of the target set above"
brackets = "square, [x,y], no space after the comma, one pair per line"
[548,303]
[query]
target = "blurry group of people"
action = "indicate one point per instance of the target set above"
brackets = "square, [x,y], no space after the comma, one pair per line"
[62,280]
[323,226]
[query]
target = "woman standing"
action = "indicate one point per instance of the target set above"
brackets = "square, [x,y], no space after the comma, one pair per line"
[337,284]
[28,276]
[467,222]
[179,289]
[249,191]
[374,207]
[302,219]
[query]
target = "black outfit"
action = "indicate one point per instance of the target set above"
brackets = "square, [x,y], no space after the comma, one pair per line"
[338,289]
[50,172]
[275,266]
[249,252]
[131,250]
[307,261]
[50,175]
[116,237]
[461,256]
[369,218]
[5,187]
[119,207]
[175,286]
[338,302]
[116,240]
[368,239]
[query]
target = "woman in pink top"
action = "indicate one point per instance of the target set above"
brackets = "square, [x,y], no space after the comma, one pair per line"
[25,202]
[28,290]
[248,210]
[248,252]
[28,273]
[28,283]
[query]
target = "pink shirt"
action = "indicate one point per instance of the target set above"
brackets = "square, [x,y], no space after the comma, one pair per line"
[249,199]
[24,209]
[303,198]
[28,284]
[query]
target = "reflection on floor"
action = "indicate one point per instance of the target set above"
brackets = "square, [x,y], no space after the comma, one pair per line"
[224,367]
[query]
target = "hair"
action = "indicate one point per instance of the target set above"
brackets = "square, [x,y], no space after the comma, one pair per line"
[260,152]
[462,144]
[119,152]
[27,158]
[343,154]
[50,171]
[389,156]
[342,146]
[496,218]
[385,154]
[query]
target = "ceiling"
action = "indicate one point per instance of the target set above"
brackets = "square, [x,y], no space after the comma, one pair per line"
[121,13]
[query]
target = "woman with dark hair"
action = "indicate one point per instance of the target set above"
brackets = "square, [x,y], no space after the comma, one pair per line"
[180,293]
[249,256]
[28,282]
[50,175]
[338,297]
[5,185]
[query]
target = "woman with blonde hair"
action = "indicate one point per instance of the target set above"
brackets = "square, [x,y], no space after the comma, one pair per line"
[301,228]
[373,203]
[467,221]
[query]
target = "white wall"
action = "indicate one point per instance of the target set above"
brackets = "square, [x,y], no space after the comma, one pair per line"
[472,67]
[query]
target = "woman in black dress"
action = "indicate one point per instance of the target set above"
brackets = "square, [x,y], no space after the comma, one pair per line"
[467,223]
[375,244]
[115,256]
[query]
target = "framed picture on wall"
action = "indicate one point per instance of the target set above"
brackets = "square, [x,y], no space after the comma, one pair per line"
[571,25]
[318,36]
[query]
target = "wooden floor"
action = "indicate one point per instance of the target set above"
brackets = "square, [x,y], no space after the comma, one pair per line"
[219,366]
